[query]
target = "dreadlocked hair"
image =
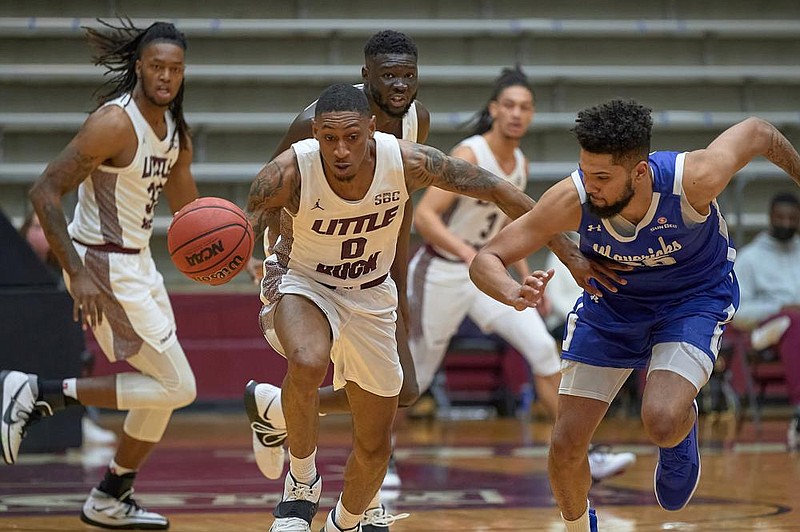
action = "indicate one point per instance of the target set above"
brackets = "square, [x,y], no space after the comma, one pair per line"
[481,122]
[118,50]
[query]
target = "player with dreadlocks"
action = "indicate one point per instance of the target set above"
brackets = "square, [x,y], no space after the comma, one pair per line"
[133,146]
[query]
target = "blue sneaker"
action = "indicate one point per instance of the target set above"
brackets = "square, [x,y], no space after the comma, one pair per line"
[678,471]
[592,520]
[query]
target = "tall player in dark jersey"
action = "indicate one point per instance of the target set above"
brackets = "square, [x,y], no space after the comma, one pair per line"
[656,212]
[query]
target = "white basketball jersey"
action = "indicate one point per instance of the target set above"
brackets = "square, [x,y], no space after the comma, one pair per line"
[117,205]
[476,221]
[410,120]
[340,242]
[411,123]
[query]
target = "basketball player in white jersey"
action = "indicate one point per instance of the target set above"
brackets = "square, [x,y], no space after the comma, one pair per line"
[327,292]
[390,84]
[454,227]
[132,147]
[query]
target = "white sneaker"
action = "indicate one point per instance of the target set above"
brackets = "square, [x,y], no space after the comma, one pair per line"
[603,463]
[298,505]
[378,519]
[268,438]
[18,393]
[105,511]
[331,526]
[94,434]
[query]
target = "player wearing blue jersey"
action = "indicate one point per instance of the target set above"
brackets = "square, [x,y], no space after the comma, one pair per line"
[658,214]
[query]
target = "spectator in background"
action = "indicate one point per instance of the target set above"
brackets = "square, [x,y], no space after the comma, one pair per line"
[768,269]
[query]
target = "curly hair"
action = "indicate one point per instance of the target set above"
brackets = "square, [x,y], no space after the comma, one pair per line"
[117,48]
[481,122]
[342,97]
[621,128]
[389,42]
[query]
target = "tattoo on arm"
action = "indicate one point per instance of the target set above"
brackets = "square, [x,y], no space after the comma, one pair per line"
[452,173]
[61,176]
[783,154]
[268,184]
[69,170]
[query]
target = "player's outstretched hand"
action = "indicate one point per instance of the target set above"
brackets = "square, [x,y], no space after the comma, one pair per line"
[87,307]
[604,273]
[532,289]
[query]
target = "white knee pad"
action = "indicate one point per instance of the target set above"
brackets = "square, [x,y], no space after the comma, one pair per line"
[166,382]
[147,424]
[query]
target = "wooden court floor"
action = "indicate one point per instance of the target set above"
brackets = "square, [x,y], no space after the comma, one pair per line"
[466,476]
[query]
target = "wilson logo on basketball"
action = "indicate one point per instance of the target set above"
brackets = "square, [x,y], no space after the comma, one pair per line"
[226,272]
[205,253]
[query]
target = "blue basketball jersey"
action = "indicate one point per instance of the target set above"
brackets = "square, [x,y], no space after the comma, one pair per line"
[675,252]
[682,267]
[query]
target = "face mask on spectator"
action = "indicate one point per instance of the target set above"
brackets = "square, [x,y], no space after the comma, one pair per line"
[782,234]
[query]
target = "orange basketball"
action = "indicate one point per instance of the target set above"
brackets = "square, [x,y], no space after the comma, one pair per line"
[210,240]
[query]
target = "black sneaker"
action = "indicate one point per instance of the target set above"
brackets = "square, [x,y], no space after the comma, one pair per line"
[298,505]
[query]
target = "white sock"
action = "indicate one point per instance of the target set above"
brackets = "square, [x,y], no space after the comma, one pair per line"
[118,469]
[304,470]
[581,524]
[344,519]
[70,388]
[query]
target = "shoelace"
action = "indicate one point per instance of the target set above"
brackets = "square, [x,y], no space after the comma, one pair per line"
[29,418]
[673,459]
[132,506]
[383,519]
[300,492]
[271,437]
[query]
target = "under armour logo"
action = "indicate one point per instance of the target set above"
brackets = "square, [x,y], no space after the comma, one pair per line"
[593,228]
[317,206]
[594,298]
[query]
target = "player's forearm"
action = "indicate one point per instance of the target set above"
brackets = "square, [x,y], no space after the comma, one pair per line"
[491,276]
[48,207]
[564,248]
[780,151]
[521,267]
